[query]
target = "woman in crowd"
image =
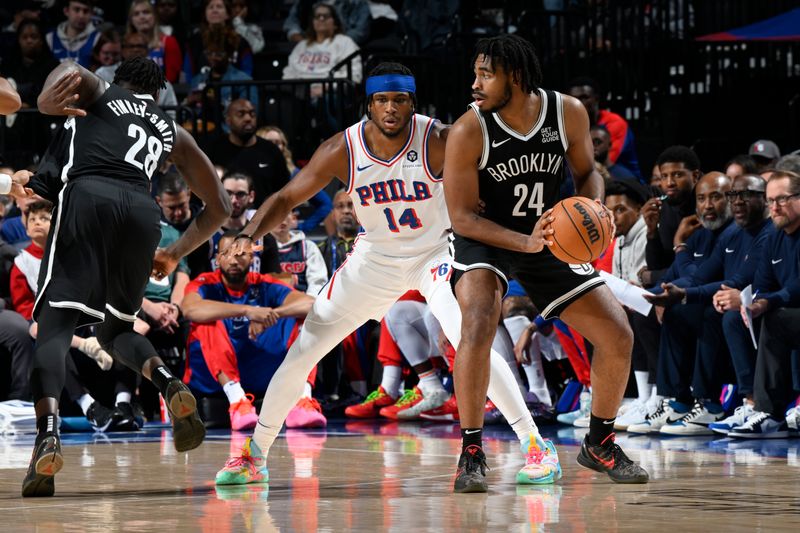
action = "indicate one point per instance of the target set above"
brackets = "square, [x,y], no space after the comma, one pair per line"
[216,13]
[162,48]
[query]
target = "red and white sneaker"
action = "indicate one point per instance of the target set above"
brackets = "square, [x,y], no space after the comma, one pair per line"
[243,414]
[370,408]
[448,412]
[409,399]
[306,414]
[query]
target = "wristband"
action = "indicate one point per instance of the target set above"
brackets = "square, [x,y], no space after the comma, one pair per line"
[5,183]
[679,245]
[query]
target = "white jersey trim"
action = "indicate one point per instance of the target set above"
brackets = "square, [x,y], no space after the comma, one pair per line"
[562,130]
[70,124]
[425,151]
[485,132]
[119,314]
[536,126]
[80,307]
[351,163]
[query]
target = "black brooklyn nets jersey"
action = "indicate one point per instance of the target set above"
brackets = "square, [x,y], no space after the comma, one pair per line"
[519,175]
[123,136]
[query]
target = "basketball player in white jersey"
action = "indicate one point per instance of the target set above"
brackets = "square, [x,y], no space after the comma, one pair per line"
[390,165]
[509,151]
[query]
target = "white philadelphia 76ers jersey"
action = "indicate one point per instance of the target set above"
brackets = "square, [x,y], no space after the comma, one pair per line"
[399,202]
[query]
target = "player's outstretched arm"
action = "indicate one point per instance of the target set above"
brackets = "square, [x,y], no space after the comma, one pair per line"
[580,153]
[69,90]
[9,99]
[202,179]
[462,154]
[328,162]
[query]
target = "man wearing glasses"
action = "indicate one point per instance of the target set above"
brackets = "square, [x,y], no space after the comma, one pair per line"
[715,286]
[777,303]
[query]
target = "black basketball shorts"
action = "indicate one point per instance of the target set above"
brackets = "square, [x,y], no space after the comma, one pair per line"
[552,284]
[100,249]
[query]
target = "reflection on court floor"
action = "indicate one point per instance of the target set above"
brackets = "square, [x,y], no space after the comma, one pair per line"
[381,476]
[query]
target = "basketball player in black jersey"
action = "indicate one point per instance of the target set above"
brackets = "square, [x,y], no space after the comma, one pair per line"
[99,254]
[509,150]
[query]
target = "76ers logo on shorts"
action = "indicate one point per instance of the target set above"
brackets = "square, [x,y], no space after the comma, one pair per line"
[441,271]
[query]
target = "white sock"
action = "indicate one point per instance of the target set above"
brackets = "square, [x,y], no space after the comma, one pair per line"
[234,391]
[505,394]
[307,390]
[642,386]
[429,382]
[85,401]
[359,387]
[123,397]
[392,375]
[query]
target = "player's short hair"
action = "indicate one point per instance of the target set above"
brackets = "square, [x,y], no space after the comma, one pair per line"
[679,154]
[585,81]
[790,162]
[238,176]
[141,75]
[37,206]
[391,67]
[633,190]
[89,3]
[171,183]
[794,179]
[517,57]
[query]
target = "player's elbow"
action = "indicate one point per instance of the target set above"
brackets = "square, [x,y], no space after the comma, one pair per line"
[462,222]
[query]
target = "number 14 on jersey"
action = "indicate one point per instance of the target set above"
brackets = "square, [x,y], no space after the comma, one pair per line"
[407,218]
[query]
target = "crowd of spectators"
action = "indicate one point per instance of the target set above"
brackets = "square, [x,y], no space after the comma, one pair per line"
[693,237]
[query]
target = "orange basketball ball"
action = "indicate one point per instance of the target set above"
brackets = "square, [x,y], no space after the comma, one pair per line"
[582,230]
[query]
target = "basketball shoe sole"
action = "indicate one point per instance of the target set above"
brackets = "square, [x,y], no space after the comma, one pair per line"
[46,462]
[188,430]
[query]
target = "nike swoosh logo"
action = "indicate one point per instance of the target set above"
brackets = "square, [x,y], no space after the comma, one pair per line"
[774,262]
[359,168]
[495,144]
[698,255]
[608,463]
[729,251]
[468,432]
[263,165]
[670,420]
[609,422]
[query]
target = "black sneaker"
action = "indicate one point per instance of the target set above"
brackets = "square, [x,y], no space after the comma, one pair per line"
[101,417]
[609,458]
[126,419]
[188,430]
[46,461]
[471,473]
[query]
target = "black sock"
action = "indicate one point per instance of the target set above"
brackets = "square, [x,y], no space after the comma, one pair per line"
[47,424]
[471,437]
[600,429]
[161,376]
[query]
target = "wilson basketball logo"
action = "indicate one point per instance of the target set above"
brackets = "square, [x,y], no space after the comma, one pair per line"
[591,228]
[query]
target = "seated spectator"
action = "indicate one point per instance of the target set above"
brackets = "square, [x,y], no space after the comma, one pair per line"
[622,150]
[427,26]
[776,301]
[320,203]
[216,17]
[655,179]
[27,67]
[715,286]
[740,165]
[242,326]
[300,257]
[13,230]
[325,45]
[161,48]
[240,10]
[14,339]
[239,187]
[172,20]
[135,45]
[789,163]
[680,169]
[217,50]
[354,14]
[682,361]
[765,153]
[601,139]
[106,50]
[242,151]
[75,37]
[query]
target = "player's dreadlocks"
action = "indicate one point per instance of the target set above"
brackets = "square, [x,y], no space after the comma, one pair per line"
[140,74]
[517,57]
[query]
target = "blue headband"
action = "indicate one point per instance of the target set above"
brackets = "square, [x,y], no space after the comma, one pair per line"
[390,83]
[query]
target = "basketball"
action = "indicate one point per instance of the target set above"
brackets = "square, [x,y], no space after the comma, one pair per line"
[582,229]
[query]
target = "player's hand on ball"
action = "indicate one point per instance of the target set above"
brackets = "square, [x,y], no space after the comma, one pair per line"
[60,97]
[164,264]
[607,213]
[542,233]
